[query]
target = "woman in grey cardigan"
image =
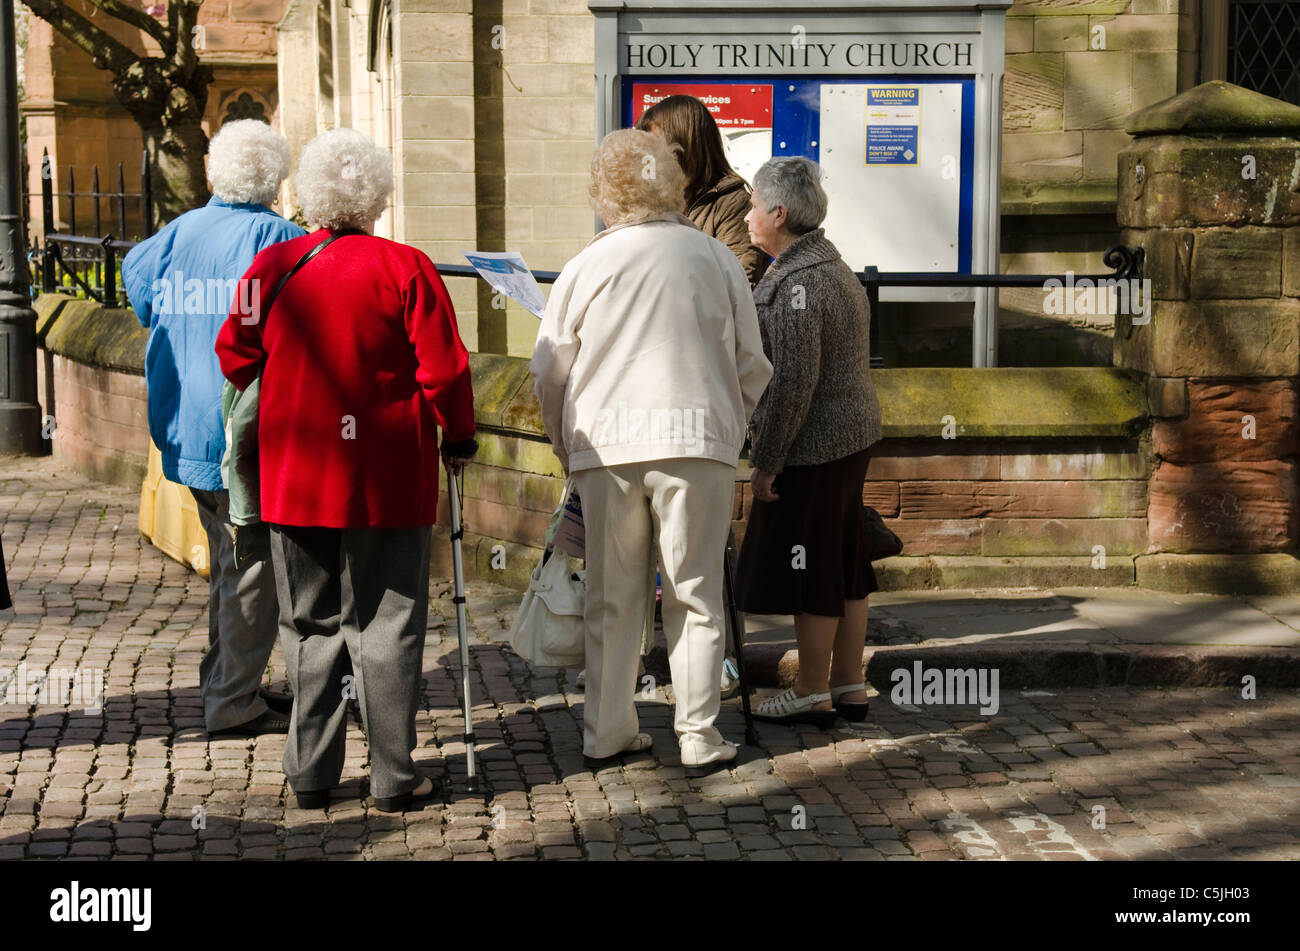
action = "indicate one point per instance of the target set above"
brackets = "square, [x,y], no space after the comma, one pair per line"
[805,551]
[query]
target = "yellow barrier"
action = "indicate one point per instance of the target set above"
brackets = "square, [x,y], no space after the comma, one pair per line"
[169,518]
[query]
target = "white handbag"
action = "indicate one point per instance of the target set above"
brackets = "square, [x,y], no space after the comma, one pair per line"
[549,629]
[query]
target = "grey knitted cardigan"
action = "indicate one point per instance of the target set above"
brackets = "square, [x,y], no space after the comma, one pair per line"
[815,320]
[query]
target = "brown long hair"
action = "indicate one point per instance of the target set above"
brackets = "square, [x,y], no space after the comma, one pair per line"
[685,121]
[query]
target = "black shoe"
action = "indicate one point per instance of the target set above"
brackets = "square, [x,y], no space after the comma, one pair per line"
[313,799]
[268,722]
[279,702]
[403,802]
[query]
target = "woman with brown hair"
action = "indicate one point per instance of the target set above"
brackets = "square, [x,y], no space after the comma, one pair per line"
[717,199]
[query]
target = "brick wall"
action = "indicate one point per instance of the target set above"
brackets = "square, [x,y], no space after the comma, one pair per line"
[101,421]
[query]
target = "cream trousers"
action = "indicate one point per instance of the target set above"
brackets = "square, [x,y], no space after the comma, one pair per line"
[682,508]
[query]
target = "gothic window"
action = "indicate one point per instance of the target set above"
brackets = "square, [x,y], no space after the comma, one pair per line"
[244,106]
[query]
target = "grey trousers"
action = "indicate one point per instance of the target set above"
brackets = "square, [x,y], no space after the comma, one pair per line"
[354,607]
[242,622]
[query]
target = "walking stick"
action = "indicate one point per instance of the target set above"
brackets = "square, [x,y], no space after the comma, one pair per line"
[457,533]
[736,628]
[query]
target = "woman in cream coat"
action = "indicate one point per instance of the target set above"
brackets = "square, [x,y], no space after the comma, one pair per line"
[648,365]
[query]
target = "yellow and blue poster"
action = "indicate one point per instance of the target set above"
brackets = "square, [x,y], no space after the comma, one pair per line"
[893,125]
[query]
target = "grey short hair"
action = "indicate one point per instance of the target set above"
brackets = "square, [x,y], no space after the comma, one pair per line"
[247,161]
[344,180]
[793,183]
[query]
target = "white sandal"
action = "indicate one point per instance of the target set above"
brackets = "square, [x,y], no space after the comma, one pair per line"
[787,707]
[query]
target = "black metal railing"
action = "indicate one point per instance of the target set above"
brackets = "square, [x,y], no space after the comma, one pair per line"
[1126,263]
[88,263]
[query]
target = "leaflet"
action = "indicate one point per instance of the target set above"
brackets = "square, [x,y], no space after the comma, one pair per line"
[507,273]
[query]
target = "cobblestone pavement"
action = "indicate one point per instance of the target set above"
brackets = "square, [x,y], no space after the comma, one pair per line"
[1055,774]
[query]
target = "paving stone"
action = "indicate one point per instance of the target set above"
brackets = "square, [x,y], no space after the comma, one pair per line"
[1186,773]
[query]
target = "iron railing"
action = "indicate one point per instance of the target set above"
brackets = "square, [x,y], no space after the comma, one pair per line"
[1126,264]
[89,262]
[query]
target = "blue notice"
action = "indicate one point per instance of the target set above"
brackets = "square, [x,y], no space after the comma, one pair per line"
[893,125]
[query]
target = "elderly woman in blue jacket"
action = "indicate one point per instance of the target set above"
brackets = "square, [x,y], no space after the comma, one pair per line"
[181,283]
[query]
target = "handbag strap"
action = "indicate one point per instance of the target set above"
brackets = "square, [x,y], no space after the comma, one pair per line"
[557,518]
[302,261]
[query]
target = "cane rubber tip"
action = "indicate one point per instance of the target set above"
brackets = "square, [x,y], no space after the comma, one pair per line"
[471,784]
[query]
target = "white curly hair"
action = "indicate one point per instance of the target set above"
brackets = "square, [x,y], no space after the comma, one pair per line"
[635,175]
[247,161]
[343,180]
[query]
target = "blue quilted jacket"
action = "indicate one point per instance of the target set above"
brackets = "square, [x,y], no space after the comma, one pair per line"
[181,283]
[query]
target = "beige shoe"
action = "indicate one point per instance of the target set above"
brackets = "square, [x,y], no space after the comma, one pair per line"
[701,757]
[640,743]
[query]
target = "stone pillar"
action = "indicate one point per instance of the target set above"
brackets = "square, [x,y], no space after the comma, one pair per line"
[1210,188]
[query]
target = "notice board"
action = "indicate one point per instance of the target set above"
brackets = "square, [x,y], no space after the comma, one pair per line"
[895,153]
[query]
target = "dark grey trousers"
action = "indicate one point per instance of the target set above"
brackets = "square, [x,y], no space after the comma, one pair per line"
[241,622]
[354,607]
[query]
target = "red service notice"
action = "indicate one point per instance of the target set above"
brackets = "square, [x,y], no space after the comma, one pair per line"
[745,106]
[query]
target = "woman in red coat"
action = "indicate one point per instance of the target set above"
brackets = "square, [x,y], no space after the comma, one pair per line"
[360,363]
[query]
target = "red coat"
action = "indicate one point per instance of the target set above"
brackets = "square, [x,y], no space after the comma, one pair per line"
[359,357]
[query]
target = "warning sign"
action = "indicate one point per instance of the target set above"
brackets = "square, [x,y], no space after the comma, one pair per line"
[893,125]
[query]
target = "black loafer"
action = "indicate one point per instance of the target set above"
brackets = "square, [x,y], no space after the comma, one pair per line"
[281,703]
[268,722]
[313,799]
[404,802]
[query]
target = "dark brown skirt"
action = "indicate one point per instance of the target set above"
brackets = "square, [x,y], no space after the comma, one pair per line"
[820,509]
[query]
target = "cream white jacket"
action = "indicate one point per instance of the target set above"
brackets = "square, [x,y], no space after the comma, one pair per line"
[650,349]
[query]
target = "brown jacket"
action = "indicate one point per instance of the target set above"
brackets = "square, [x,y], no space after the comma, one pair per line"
[720,213]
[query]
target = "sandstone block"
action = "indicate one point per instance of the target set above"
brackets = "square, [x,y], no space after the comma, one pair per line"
[1062,536]
[1101,148]
[493,484]
[1020,34]
[1033,97]
[1143,34]
[1223,507]
[1098,89]
[541,493]
[1043,8]
[1106,499]
[1237,263]
[1099,462]
[1220,574]
[1291,262]
[1217,428]
[1052,34]
[1168,260]
[1167,397]
[1256,338]
[882,496]
[1155,77]
[1190,181]
[923,536]
[900,463]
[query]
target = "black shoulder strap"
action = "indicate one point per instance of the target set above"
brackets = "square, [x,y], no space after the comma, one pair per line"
[302,261]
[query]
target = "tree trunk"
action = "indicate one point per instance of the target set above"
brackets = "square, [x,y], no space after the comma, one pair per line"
[168,107]
[178,176]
